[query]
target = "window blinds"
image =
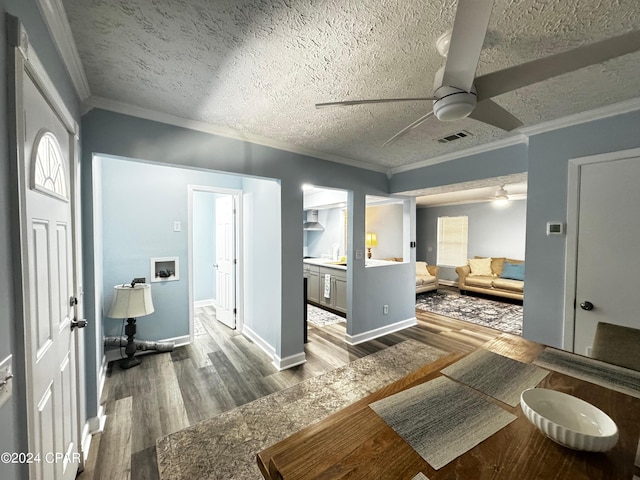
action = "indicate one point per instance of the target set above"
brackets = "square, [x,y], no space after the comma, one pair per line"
[453,239]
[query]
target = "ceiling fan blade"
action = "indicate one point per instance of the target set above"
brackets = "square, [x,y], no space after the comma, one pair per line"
[490,112]
[349,103]
[509,79]
[406,129]
[467,38]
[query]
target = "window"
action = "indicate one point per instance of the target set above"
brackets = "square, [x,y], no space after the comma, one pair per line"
[453,238]
[48,175]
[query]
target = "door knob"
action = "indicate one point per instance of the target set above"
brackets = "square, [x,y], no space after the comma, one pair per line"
[586,305]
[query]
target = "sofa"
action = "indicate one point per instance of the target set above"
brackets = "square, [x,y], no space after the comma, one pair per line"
[499,276]
[426,277]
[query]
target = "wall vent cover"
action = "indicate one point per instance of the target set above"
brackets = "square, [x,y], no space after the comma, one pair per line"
[454,136]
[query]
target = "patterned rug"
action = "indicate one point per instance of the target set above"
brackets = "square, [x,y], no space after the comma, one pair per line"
[322,318]
[503,316]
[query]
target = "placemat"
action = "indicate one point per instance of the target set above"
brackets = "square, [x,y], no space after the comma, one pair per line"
[441,419]
[420,476]
[495,375]
[604,374]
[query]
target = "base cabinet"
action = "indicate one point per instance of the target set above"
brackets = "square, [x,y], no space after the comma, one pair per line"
[316,278]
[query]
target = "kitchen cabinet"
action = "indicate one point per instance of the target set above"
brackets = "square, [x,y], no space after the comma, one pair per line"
[312,273]
[315,275]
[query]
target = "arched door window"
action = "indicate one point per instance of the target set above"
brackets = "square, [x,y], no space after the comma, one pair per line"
[48,175]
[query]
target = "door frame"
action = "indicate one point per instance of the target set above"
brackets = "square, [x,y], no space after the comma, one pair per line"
[571,254]
[22,60]
[239,280]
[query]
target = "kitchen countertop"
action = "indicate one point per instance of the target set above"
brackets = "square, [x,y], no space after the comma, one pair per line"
[325,262]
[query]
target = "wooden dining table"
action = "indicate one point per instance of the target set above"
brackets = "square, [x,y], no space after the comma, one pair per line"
[356,443]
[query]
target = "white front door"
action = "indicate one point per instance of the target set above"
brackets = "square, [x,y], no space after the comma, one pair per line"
[45,156]
[607,256]
[225,261]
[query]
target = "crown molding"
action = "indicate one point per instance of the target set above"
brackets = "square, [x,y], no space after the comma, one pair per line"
[55,18]
[147,114]
[584,117]
[486,147]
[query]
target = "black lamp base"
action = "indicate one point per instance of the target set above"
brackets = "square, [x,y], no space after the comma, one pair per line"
[129,362]
[130,350]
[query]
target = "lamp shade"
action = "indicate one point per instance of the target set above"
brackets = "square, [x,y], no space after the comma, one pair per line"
[371,240]
[131,302]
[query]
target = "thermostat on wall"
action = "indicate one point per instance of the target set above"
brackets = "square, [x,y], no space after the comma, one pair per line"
[555,228]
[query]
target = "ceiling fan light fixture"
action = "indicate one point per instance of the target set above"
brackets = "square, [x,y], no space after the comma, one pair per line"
[443,42]
[501,198]
[453,104]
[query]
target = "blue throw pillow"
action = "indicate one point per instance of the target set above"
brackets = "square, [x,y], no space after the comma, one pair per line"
[514,271]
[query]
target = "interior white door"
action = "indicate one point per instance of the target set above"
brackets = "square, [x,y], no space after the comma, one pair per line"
[608,236]
[225,260]
[47,251]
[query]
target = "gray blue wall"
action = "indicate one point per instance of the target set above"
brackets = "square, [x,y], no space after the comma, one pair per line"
[13,413]
[549,154]
[493,232]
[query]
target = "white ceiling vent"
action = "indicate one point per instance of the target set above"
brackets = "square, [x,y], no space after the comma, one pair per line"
[454,136]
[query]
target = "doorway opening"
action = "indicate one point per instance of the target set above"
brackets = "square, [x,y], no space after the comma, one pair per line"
[215,263]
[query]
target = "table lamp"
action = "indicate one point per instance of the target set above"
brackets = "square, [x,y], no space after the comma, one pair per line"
[131,301]
[371,240]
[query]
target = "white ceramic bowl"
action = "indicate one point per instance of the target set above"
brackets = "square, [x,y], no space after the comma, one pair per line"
[568,420]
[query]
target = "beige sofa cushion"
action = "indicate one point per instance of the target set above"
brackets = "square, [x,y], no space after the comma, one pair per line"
[425,280]
[508,284]
[480,267]
[478,281]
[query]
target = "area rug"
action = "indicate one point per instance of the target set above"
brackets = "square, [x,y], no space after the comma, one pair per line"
[322,318]
[225,446]
[503,316]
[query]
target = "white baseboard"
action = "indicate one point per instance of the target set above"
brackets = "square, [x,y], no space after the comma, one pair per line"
[204,303]
[279,363]
[259,341]
[448,283]
[379,332]
[114,354]
[290,361]
[92,426]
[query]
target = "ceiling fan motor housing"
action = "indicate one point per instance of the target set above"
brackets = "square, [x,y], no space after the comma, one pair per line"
[453,103]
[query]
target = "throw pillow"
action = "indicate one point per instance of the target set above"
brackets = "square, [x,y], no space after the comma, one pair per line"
[421,268]
[514,271]
[480,267]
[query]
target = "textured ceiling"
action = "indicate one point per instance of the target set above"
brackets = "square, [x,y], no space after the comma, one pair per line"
[258,66]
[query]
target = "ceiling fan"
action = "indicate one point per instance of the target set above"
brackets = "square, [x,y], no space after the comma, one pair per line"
[458,93]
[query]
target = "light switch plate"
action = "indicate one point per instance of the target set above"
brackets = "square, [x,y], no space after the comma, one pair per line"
[177,226]
[359,254]
[6,375]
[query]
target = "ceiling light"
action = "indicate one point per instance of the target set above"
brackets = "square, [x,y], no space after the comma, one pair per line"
[501,198]
[442,44]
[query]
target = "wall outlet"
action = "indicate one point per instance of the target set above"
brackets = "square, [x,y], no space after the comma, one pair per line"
[385,309]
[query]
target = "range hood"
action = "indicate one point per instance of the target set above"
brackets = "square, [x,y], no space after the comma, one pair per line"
[312,222]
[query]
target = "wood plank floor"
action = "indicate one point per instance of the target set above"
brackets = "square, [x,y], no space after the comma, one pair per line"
[220,371]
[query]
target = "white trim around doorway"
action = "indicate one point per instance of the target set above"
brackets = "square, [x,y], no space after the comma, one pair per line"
[237,194]
[571,254]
